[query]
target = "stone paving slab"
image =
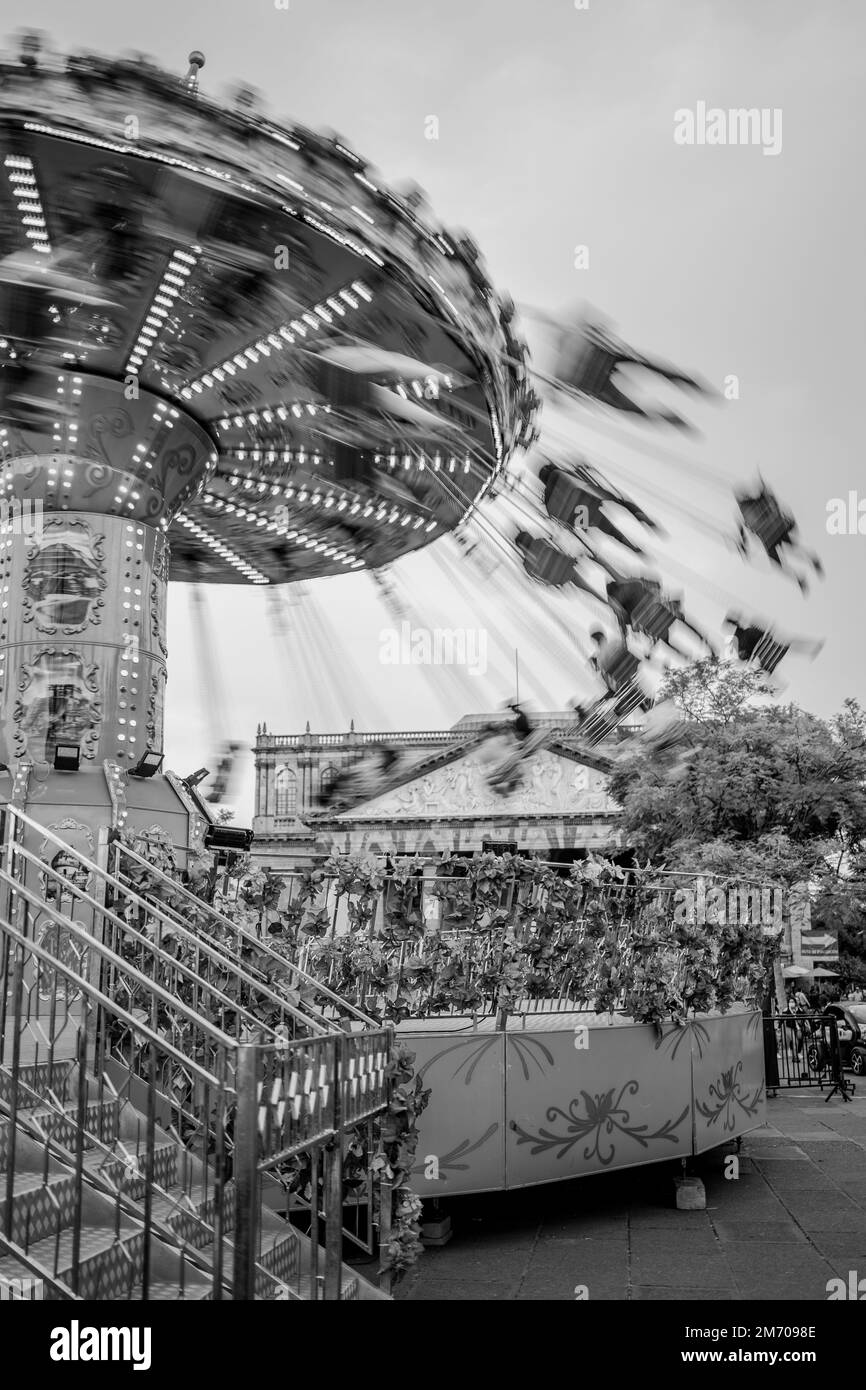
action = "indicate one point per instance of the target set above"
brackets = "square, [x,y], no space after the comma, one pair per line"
[793,1219]
[681,1295]
[766,1232]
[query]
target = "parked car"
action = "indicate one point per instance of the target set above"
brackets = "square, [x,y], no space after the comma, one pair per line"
[850,1016]
[851,1019]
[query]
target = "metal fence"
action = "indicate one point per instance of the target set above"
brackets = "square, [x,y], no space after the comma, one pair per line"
[440,946]
[374,945]
[803,1050]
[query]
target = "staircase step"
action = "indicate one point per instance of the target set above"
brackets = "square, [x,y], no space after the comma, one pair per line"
[191,1217]
[125,1169]
[168,1291]
[350,1290]
[39,1208]
[41,1077]
[24,1283]
[107,1268]
[100,1119]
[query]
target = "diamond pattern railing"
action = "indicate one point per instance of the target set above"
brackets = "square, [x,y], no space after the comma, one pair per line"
[149,1093]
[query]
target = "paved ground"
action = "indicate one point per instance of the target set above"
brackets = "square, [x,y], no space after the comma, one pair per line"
[793,1219]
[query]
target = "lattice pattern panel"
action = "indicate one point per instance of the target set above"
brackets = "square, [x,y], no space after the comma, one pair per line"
[365,1085]
[296,1098]
[42,1211]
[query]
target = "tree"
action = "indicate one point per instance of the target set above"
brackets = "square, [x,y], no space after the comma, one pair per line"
[763,792]
[766,778]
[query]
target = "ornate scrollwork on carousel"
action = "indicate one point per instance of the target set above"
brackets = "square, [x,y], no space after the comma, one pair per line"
[64,873]
[103,426]
[65,578]
[157,617]
[155,707]
[155,845]
[58,702]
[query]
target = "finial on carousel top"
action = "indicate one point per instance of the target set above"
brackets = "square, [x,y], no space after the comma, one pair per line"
[31,45]
[196,61]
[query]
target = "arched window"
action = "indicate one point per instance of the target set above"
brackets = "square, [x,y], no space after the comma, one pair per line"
[286,794]
[329,775]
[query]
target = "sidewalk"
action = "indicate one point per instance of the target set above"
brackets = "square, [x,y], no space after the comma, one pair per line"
[794,1218]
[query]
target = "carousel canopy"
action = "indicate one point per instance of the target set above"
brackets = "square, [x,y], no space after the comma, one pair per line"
[342,381]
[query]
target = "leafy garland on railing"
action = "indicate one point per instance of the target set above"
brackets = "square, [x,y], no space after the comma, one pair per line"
[581,936]
[389,1160]
[395,1158]
[511,928]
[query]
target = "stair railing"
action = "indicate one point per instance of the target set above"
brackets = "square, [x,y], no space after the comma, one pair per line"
[161,944]
[141,1054]
[53,1018]
[230,931]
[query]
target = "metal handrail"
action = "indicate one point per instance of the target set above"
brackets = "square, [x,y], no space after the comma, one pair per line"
[76,1001]
[333,1084]
[161,955]
[96,995]
[259,943]
[96,1181]
[24,1258]
[315,1059]
[311,1020]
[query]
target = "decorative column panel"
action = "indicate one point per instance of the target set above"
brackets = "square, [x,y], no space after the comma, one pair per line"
[82,639]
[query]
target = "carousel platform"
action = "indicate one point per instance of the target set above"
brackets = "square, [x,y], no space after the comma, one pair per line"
[560,1095]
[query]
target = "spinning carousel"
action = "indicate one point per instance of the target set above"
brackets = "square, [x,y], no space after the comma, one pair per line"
[215,367]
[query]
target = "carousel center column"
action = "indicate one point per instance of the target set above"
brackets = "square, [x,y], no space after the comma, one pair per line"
[84,563]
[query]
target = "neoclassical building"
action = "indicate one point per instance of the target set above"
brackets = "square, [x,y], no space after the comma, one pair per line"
[438,800]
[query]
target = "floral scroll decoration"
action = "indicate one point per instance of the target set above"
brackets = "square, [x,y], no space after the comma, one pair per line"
[58,702]
[173,465]
[530,1053]
[670,1038]
[115,423]
[66,865]
[153,718]
[605,1118]
[525,1050]
[155,845]
[452,1162]
[65,578]
[727,1100]
[157,591]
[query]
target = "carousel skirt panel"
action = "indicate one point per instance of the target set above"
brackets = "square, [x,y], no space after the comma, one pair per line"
[542,1104]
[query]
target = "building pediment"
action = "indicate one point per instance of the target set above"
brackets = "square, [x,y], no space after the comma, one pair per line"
[555,783]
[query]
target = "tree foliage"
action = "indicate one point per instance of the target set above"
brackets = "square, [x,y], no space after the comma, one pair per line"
[762,791]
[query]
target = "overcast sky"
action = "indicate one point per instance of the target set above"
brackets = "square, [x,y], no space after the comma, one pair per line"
[556,130]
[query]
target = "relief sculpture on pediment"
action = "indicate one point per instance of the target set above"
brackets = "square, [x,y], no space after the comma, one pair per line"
[553,786]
